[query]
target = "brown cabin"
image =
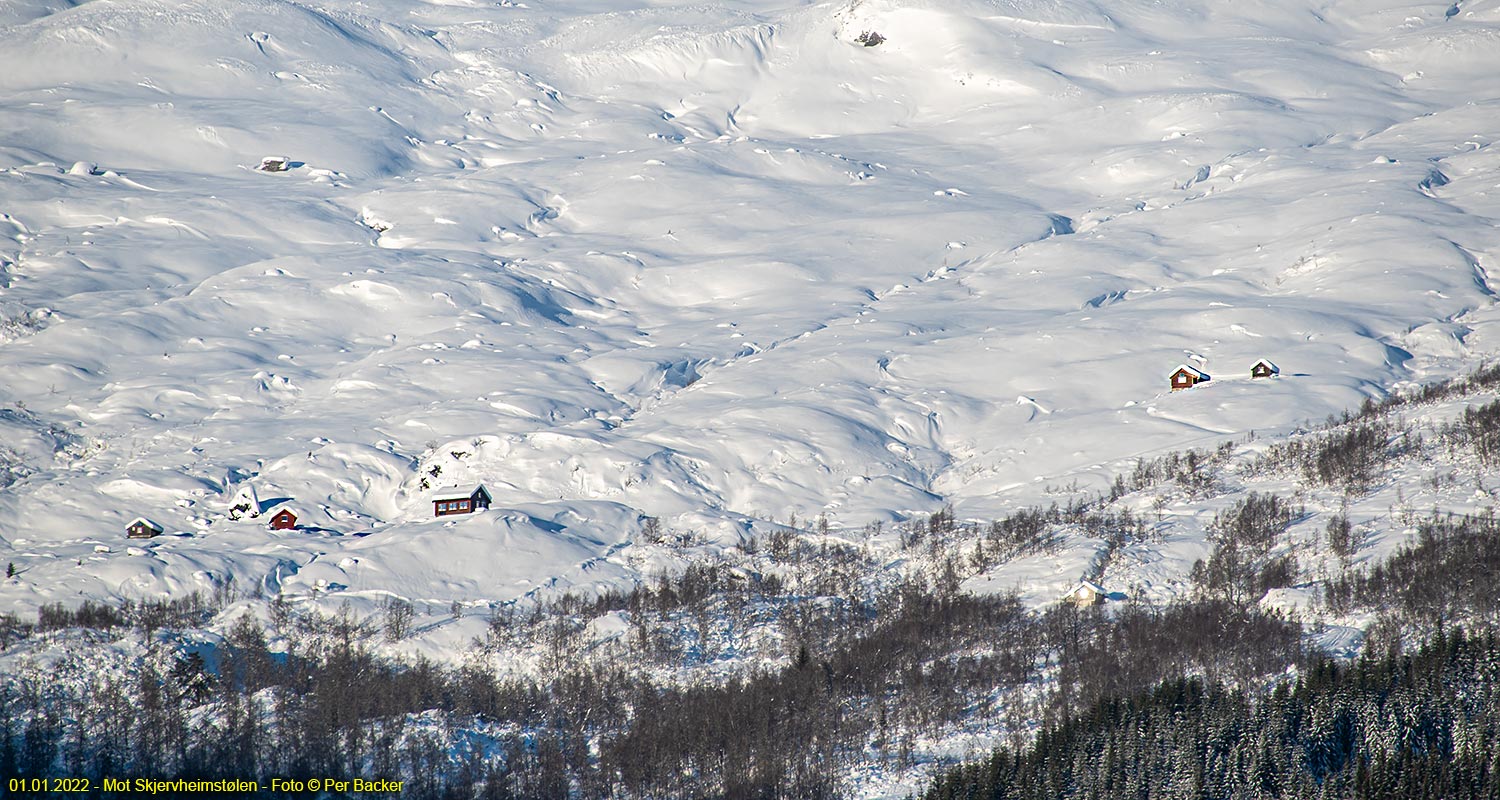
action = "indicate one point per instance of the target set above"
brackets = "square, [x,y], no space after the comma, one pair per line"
[459,500]
[1087,593]
[1186,377]
[1264,369]
[283,520]
[142,528]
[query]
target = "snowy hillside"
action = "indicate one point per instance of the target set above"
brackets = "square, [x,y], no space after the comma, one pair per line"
[716,264]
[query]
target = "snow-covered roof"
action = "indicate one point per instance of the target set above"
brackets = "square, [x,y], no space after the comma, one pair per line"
[1268,363]
[1089,585]
[459,492]
[1194,371]
[143,521]
[278,509]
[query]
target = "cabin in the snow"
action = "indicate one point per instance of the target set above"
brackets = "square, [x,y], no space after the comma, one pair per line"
[1186,377]
[1086,593]
[284,520]
[142,528]
[460,500]
[1264,369]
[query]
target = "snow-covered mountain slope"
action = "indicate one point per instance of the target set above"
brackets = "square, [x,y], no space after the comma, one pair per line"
[712,263]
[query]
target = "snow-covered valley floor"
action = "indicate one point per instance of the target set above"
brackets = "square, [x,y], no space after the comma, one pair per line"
[670,279]
[716,265]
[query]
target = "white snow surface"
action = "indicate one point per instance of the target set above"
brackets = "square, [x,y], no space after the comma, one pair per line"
[715,263]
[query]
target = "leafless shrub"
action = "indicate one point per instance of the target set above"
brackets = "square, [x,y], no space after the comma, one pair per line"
[1480,428]
[398,618]
[1255,521]
[1341,537]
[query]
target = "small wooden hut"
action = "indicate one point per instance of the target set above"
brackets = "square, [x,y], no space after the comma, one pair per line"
[142,528]
[1186,377]
[460,500]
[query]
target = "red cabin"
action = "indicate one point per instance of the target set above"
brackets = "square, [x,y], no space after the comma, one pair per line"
[1186,377]
[460,500]
[283,520]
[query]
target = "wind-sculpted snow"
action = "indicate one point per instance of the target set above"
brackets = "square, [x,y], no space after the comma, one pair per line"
[717,264]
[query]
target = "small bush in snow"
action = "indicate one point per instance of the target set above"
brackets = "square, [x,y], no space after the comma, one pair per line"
[1481,427]
[1341,537]
[398,617]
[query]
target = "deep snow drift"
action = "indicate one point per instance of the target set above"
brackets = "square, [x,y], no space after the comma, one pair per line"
[717,264]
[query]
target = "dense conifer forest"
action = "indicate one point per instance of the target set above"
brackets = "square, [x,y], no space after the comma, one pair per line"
[1392,725]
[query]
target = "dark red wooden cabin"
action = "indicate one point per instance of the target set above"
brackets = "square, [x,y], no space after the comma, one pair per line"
[1186,377]
[142,528]
[460,501]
